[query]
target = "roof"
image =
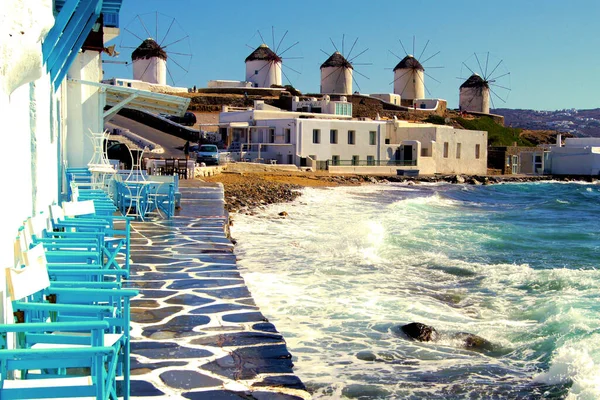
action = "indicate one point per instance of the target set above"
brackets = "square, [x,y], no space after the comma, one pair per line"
[263,52]
[474,81]
[137,99]
[409,62]
[148,49]
[336,60]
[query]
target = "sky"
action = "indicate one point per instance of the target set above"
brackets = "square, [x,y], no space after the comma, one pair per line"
[550,48]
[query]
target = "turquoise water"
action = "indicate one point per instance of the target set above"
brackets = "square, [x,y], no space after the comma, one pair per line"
[513,263]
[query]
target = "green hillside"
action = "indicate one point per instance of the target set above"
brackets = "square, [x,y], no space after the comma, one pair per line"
[498,135]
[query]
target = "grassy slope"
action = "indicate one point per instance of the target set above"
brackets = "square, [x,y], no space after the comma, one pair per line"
[498,135]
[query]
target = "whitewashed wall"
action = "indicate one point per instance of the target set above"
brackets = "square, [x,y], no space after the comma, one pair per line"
[152,70]
[336,80]
[409,83]
[269,73]
[575,160]
[475,99]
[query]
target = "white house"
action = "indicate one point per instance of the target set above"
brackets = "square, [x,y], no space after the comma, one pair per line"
[341,144]
[51,98]
[579,156]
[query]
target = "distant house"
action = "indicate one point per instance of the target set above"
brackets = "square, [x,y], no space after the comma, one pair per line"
[511,160]
[578,156]
[323,135]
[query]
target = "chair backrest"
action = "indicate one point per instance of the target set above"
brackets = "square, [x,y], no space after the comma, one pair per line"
[77,208]
[30,279]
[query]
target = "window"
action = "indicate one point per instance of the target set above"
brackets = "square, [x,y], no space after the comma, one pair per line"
[287,136]
[445,149]
[255,72]
[458,150]
[316,136]
[271,135]
[333,136]
[387,141]
[290,158]
[372,135]
[335,160]
[355,160]
[370,160]
[508,161]
[477,149]
[351,135]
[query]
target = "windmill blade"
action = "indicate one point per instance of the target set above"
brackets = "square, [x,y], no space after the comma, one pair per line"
[498,77]
[478,63]
[267,74]
[361,74]
[420,55]
[334,46]
[145,70]
[261,68]
[355,82]
[423,62]
[338,77]
[343,37]
[487,59]
[273,35]
[492,100]
[406,84]
[156,25]
[280,54]
[502,87]
[128,47]
[425,86]
[261,37]
[331,73]
[358,55]
[326,53]
[292,69]
[292,58]
[352,48]
[399,58]
[250,47]
[179,54]
[144,26]
[177,41]
[127,29]
[167,34]
[286,77]
[495,94]
[405,72]
[362,64]
[401,44]
[430,77]
[472,72]
[169,72]
[281,41]
[496,67]
[413,44]
[176,63]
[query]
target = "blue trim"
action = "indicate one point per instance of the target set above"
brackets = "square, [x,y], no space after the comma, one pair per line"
[62,19]
[65,68]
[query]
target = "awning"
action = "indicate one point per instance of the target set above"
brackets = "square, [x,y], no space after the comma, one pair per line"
[118,97]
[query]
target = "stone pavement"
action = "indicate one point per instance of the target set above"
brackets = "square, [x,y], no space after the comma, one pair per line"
[196,331]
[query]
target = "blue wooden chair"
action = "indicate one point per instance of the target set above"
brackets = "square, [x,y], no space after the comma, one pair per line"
[71,350]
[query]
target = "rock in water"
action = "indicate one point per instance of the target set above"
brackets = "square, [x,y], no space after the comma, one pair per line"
[420,332]
[283,214]
[474,342]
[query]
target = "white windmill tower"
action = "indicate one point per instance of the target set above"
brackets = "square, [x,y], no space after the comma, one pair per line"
[336,75]
[477,92]
[475,95]
[263,67]
[150,63]
[337,72]
[409,74]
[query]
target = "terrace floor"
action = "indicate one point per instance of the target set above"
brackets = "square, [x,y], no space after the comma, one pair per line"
[196,331]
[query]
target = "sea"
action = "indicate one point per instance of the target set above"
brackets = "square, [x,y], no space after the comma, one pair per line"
[514,263]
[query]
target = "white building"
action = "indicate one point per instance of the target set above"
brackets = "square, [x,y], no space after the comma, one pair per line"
[342,144]
[50,96]
[409,79]
[475,95]
[263,67]
[579,156]
[336,75]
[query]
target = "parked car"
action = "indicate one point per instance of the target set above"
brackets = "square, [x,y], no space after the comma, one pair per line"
[188,119]
[120,151]
[208,154]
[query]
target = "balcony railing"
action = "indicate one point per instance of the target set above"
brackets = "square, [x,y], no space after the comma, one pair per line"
[373,163]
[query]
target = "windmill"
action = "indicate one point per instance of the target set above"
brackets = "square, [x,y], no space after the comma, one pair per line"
[488,76]
[264,64]
[409,73]
[337,72]
[161,48]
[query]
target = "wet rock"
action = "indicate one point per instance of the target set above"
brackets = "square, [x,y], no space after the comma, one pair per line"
[238,339]
[283,214]
[459,179]
[245,317]
[188,379]
[366,356]
[474,342]
[420,332]
[286,381]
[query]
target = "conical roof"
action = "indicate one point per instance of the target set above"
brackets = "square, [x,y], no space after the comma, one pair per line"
[474,81]
[336,60]
[409,62]
[263,52]
[148,49]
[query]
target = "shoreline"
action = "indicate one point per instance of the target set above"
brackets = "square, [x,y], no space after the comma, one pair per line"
[247,191]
